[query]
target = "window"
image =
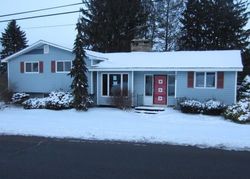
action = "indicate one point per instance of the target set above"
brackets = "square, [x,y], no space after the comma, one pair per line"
[171,85]
[46,49]
[205,79]
[31,67]
[125,84]
[148,85]
[104,84]
[111,83]
[210,80]
[63,66]
[114,84]
[200,80]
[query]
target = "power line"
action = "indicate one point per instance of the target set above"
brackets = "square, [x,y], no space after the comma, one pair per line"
[51,26]
[46,15]
[38,10]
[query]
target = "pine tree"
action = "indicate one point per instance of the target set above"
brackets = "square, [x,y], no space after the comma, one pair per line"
[214,25]
[110,25]
[167,13]
[78,73]
[12,40]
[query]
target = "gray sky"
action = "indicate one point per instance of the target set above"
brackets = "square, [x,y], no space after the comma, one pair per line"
[63,35]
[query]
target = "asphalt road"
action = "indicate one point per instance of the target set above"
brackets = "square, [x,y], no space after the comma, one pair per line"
[35,158]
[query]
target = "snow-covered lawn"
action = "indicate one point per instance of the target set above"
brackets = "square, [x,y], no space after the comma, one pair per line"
[169,126]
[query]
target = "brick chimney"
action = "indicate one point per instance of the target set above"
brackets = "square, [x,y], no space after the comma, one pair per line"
[141,45]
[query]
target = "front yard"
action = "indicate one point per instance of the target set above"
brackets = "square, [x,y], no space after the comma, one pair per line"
[170,126]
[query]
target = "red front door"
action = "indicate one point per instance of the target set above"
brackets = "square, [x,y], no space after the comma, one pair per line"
[160,89]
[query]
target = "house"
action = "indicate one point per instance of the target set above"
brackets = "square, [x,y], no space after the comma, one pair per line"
[153,78]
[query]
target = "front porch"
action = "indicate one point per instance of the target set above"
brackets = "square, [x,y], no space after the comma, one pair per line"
[146,88]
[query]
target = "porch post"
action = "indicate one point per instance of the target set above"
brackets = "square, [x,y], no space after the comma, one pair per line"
[91,79]
[175,86]
[97,88]
[132,88]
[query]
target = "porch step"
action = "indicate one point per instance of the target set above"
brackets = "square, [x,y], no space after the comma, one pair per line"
[149,109]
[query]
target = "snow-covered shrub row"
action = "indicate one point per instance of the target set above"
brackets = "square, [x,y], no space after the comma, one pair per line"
[239,112]
[191,106]
[59,100]
[55,101]
[19,98]
[210,107]
[35,103]
[213,107]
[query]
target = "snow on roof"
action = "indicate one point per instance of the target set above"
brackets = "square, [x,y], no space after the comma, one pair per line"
[217,59]
[179,59]
[93,54]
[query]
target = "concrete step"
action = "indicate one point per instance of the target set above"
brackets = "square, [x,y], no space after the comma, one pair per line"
[149,108]
[146,112]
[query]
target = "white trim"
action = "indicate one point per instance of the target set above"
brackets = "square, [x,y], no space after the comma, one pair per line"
[63,66]
[8,73]
[235,89]
[32,62]
[205,80]
[91,79]
[132,87]
[97,88]
[175,90]
[198,69]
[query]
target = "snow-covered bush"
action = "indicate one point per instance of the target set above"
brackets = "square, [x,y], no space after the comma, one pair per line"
[239,112]
[191,106]
[121,99]
[244,88]
[213,107]
[34,103]
[19,98]
[210,107]
[1,105]
[59,100]
[55,100]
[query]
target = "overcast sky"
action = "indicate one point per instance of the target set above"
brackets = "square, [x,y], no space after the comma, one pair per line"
[63,35]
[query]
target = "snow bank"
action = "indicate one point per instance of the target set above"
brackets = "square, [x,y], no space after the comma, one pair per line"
[169,126]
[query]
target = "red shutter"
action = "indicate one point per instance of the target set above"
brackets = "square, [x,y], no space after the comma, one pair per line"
[40,67]
[190,79]
[22,67]
[220,79]
[53,66]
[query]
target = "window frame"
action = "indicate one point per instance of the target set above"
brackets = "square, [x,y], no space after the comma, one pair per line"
[205,80]
[32,62]
[145,76]
[108,79]
[174,85]
[64,61]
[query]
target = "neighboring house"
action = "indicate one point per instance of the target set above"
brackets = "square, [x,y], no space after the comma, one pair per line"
[153,78]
